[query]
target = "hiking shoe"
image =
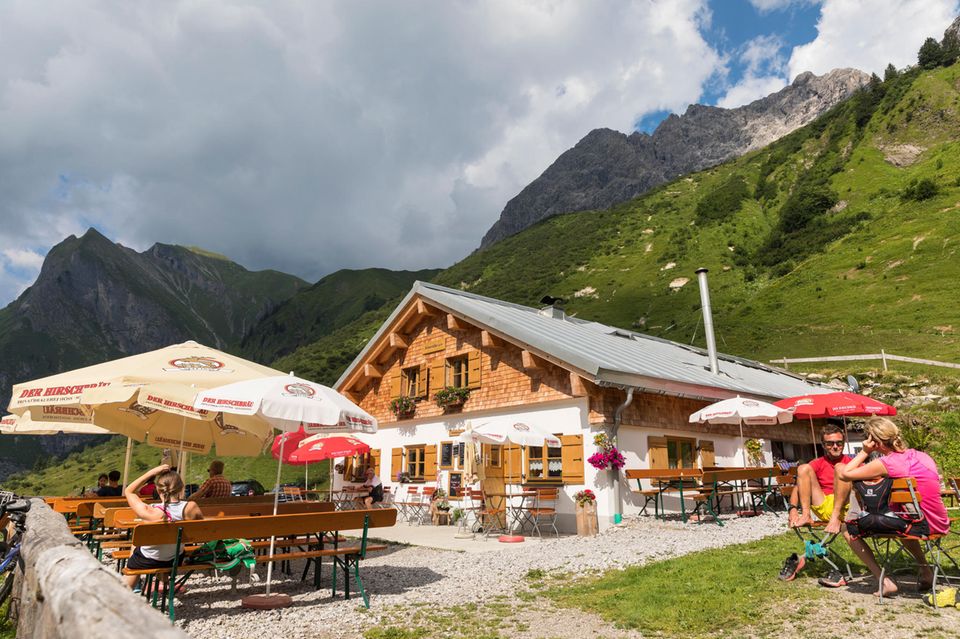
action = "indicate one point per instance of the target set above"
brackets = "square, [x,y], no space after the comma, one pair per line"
[833,580]
[945,598]
[791,566]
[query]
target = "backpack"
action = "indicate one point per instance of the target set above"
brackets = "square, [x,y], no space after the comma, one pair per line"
[226,554]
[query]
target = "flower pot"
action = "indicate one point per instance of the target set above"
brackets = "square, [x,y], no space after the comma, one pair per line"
[406,414]
[587,525]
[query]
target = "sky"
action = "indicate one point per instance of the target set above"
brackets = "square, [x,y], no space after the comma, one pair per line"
[311,136]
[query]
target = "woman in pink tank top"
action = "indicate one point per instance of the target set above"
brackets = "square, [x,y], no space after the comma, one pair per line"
[898,461]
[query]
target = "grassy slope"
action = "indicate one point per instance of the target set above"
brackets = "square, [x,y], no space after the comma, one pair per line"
[331,303]
[81,468]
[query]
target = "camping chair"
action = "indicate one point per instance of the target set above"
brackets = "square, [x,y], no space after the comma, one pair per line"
[816,541]
[544,510]
[888,550]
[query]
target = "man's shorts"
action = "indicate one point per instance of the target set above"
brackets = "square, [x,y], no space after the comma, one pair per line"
[825,510]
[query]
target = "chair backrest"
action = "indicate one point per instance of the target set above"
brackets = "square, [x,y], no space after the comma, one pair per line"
[426,493]
[904,493]
[126,518]
[292,491]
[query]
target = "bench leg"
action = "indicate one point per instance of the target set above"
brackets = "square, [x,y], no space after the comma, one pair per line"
[363,592]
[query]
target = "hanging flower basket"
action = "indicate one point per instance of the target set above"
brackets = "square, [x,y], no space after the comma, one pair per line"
[451,397]
[607,456]
[403,407]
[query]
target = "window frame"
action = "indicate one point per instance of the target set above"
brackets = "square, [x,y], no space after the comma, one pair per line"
[678,443]
[440,455]
[409,380]
[422,461]
[545,459]
[450,375]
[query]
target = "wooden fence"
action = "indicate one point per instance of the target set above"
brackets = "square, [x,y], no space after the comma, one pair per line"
[882,355]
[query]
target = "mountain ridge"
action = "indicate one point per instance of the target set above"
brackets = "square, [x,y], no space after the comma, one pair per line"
[607,167]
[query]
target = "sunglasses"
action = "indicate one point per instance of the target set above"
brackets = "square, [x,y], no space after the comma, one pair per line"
[833,444]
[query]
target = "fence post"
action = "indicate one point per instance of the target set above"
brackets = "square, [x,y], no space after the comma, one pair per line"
[883,356]
[786,364]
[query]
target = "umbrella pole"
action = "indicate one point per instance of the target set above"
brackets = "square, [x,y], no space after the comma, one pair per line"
[813,437]
[276,499]
[743,447]
[126,462]
[183,432]
[846,442]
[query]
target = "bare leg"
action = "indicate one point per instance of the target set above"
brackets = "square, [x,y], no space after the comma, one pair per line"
[863,551]
[130,580]
[841,495]
[810,493]
[367,502]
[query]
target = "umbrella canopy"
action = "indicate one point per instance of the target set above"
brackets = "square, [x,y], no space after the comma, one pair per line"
[285,443]
[318,449]
[24,425]
[839,404]
[288,402]
[502,431]
[741,410]
[187,364]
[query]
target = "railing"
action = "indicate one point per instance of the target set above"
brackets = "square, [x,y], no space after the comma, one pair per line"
[882,355]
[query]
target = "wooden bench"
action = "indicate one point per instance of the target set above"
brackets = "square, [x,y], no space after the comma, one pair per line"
[755,483]
[116,523]
[184,533]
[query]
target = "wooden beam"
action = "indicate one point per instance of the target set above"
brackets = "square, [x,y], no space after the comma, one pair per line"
[354,396]
[397,341]
[371,371]
[578,385]
[530,361]
[489,340]
[423,309]
[454,323]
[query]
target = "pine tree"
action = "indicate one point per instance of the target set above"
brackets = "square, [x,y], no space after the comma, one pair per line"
[890,72]
[930,55]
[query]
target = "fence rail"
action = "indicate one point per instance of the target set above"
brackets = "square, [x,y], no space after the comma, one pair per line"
[882,355]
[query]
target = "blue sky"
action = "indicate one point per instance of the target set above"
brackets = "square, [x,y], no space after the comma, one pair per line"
[312,136]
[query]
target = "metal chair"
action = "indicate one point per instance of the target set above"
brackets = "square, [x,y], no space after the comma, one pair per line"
[405,500]
[544,511]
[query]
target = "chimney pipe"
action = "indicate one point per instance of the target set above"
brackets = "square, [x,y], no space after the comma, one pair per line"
[708,320]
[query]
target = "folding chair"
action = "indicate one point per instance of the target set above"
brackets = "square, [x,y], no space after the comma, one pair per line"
[816,541]
[544,510]
[404,501]
[421,508]
[387,499]
[905,496]
[471,503]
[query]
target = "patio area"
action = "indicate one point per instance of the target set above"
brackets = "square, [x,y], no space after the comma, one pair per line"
[447,538]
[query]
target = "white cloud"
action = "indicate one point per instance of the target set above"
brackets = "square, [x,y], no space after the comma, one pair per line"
[310,136]
[766,6]
[870,35]
[764,72]
[22,259]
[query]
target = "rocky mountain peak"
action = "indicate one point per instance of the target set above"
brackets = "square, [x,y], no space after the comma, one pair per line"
[607,167]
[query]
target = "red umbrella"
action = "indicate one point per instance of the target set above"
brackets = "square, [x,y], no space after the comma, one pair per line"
[288,442]
[328,448]
[837,404]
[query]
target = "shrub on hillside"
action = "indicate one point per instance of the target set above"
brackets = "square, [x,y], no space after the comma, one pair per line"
[919,190]
[724,201]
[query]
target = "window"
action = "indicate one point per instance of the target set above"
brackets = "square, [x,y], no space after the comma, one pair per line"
[681,452]
[409,381]
[458,453]
[446,454]
[355,467]
[545,463]
[416,461]
[458,374]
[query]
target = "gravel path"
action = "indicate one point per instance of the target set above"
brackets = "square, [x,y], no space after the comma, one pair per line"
[405,575]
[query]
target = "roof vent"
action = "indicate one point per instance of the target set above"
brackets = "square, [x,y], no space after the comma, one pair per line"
[554,307]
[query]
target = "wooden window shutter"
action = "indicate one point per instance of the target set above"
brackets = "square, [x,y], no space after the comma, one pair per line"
[422,381]
[430,463]
[473,369]
[396,462]
[395,385]
[438,369]
[513,464]
[347,467]
[572,456]
[375,460]
[707,457]
[657,452]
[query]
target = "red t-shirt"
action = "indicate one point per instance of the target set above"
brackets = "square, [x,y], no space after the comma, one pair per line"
[823,467]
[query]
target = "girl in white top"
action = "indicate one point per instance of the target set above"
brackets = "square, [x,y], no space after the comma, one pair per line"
[171,508]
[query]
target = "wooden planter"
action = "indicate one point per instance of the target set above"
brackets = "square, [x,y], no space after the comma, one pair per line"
[587,525]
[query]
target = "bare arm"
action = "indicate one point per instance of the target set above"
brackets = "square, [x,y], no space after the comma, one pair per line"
[192,511]
[856,470]
[131,492]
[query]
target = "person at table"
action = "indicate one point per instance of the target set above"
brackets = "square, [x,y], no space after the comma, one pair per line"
[216,486]
[897,461]
[819,492]
[172,507]
[374,489]
[101,482]
[111,488]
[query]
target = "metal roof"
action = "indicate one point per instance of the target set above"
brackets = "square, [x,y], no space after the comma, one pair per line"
[606,354]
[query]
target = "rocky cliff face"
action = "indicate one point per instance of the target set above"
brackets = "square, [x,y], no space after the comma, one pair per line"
[95,300]
[607,167]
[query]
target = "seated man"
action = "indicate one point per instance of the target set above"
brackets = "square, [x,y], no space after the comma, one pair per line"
[375,487]
[216,486]
[819,491]
[112,487]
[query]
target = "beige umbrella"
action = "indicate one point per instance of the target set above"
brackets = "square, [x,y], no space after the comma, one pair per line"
[149,397]
[25,425]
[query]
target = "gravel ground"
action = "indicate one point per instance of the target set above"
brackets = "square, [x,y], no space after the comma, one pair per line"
[408,575]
